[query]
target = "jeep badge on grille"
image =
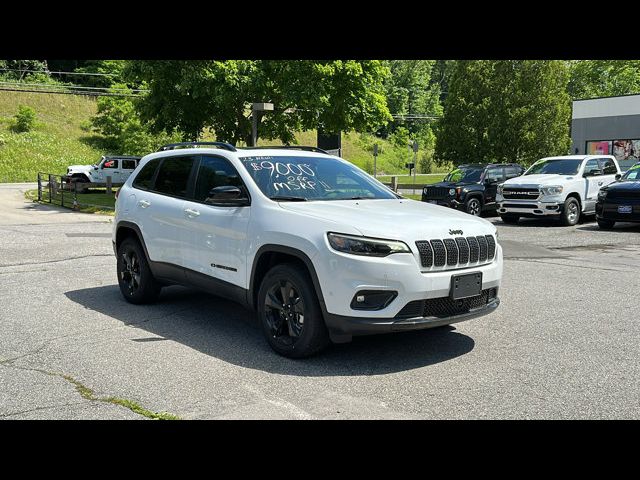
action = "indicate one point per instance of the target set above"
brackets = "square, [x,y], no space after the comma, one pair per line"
[455,232]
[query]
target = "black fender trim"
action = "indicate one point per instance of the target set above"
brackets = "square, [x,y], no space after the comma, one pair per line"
[138,232]
[294,252]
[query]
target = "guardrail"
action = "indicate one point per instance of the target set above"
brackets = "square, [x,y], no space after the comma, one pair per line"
[60,190]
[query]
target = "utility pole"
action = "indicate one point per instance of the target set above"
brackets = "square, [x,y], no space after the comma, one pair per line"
[255,108]
[375,159]
[415,164]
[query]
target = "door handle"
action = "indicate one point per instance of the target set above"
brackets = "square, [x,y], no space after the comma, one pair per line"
[144,203]
[191,213]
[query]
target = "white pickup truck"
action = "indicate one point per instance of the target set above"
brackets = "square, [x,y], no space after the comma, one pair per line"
[118,167]
[563,187]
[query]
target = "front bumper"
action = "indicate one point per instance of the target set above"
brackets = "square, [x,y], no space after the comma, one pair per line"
[444,202]
[342,276]
[609,211]
[342,328]
[531,208]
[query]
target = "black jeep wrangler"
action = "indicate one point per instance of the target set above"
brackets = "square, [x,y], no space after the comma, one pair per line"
[471,187]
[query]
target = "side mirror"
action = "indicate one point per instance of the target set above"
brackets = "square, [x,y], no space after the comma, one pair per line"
[227,195]
[592,173]
[618,176]
[490,181]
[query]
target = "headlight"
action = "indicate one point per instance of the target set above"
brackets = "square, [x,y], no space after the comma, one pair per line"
[452,192]
[500,187]
[373,247]
[552,190]
[602,194]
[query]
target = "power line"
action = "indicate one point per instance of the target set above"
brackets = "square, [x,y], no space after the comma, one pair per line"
[71,87]
[68,92]
[59,73]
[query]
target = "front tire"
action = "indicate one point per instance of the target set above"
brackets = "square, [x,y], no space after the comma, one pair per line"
[473,206]
[605,224]
[137,283]
[571,213]
[290,314]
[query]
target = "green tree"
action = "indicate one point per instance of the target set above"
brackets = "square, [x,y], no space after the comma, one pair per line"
[603,78]
[505,111]
[118,121]
[190,96]
[410,90]
[111,71]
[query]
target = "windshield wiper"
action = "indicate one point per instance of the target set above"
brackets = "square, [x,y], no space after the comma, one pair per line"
[285,198]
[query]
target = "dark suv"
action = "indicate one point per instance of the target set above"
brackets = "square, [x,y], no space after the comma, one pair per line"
[471,187]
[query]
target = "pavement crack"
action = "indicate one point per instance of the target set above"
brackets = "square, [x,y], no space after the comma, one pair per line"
[37,409]
[58,261]
[88,394]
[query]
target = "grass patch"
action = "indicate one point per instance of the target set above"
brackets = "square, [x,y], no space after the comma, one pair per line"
[95,202]
[54,144]
[136,408]
[88,394]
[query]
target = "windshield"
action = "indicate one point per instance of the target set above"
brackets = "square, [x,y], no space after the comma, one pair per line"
[300,178]
[633,173]
[465,174]
[559,167]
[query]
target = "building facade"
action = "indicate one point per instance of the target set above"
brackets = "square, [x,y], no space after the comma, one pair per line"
[607,126]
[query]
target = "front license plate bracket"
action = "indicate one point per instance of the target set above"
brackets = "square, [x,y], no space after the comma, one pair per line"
[465,286]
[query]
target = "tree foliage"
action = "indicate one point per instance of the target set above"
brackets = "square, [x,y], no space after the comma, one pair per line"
[604,78]
[190,96]
[505,111]
[410,90]
[118,121]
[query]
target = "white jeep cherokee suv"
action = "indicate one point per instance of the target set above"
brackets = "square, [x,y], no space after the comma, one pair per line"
[318,248]
[562,187]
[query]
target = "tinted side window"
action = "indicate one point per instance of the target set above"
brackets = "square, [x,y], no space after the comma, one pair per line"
[144,179]
[128,164]
[214,172]
[592,165]
[608,167]
[512,172]
[495,174]
[173,176]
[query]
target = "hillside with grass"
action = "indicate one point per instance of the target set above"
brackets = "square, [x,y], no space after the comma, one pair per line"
[62,137]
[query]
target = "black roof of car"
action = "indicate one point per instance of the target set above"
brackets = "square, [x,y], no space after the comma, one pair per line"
[122,156]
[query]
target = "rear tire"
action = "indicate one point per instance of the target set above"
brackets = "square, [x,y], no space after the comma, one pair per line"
[290,314]
[510,218]
[137,283]
[571,213]
[605,224]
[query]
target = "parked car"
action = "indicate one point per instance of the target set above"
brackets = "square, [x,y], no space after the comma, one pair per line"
[620,201]
[118,167]
[559,187]
[471,188]
[318,248]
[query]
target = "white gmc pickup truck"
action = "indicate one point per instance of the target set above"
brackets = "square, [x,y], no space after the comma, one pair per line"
[564,187]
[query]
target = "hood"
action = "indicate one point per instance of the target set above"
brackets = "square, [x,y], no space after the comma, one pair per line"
[80,168]
[540,179]
[451,184]
[402,219]
[626,186]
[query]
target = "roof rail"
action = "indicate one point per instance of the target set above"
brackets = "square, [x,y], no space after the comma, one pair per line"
[173,146]
[291,147]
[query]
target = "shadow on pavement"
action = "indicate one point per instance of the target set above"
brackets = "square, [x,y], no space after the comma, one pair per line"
[224,330]
[626,226]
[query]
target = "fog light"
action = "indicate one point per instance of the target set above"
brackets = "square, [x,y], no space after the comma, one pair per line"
[372,299]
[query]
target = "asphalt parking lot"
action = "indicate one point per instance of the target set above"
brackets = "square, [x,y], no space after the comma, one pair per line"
[563,344]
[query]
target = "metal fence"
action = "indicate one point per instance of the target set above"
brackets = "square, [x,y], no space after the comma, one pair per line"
[59,190]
